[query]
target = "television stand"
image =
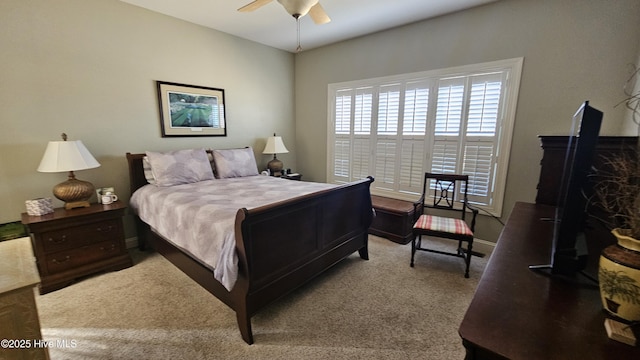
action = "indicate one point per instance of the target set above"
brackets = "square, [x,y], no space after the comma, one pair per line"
[518,314]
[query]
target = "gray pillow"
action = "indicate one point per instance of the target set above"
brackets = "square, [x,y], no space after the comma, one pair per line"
[180,167]
[148,174]
[235,163]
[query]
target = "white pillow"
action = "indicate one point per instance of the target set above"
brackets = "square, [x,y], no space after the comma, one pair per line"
[180,167]
[235,163]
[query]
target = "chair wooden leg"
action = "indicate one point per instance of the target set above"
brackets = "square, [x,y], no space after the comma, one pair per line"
[413,249]
[468,259]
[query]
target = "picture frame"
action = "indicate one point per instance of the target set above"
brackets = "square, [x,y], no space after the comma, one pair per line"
[190,110]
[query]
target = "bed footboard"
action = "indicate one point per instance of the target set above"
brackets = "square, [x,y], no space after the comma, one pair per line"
[283,245]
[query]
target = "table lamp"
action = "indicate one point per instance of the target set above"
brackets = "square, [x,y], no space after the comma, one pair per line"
[61,156]
[275,146]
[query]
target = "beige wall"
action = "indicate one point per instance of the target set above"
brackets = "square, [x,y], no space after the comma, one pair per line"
[630,125]
[574,50]
[88,68]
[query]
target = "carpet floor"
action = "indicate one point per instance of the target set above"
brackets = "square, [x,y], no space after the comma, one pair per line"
[376,309]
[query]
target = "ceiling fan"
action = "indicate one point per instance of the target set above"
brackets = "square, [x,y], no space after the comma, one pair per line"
[296,8]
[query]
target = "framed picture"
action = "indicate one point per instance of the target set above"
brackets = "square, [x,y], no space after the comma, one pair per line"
[188,110]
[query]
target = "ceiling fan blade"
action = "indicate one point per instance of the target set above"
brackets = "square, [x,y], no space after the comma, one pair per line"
[254,5]
[318,14]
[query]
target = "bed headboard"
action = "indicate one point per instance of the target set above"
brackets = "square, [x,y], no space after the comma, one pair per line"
[136,171]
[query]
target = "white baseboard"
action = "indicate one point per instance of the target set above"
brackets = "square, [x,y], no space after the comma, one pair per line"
[483,246]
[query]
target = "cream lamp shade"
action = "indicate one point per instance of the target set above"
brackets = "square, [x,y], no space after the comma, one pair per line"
[274,146]
[62,156]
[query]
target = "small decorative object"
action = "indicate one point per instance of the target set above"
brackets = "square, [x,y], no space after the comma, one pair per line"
[275,146]
[620,332]
[39,207]
[101,191]
[619,277]
[61,156]
[109,198]
[187,110]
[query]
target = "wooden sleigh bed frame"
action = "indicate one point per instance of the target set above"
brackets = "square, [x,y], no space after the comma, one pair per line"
[280,246]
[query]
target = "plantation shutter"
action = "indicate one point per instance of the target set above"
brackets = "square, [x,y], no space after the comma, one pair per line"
[453,122]
[414,129]
[352,139]
[342,137]
[388,111]
[363,110]
[447,139]
[385,164]
[481,138]
[411,166]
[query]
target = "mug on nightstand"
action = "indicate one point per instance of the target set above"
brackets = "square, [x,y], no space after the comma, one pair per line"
[103,191]
[109,198]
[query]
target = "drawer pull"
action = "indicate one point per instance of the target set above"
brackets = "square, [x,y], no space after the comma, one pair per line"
[58,241]
[105,229]
[113,247]
[56,261]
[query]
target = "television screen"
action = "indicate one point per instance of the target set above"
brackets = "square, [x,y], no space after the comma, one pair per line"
[569,252]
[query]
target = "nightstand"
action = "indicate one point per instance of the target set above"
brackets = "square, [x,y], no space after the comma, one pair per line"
[294,176]
[69,244]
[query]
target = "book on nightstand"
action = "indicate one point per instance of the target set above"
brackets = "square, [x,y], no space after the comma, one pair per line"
[621,332]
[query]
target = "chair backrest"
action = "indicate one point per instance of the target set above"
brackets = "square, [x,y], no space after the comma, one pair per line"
[440,191]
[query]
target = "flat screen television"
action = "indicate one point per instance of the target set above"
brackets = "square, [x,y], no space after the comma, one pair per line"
[569,253]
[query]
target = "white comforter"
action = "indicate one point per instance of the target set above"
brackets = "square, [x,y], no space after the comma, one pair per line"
[200,217]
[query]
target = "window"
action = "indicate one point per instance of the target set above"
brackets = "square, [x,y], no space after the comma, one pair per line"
[456,120]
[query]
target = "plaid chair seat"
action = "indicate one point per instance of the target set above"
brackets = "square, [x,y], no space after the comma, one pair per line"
[443,224]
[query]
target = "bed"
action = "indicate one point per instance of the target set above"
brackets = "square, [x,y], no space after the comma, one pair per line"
[277,246]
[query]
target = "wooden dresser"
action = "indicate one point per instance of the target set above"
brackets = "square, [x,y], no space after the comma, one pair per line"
[553,157]
[517,313]
[69,244]
[19,322]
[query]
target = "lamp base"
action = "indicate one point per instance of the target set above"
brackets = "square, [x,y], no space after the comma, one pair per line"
[275,166]
[75,193]
[76,204]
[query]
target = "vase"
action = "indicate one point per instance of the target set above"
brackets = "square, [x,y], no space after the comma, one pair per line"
[619,277]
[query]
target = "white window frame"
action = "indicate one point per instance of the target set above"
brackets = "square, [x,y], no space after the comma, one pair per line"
[512,70]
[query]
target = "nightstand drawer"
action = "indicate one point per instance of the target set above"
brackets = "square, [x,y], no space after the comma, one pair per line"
[73,237]
[69,259]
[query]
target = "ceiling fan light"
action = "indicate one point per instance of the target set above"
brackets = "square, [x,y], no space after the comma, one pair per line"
[298,7]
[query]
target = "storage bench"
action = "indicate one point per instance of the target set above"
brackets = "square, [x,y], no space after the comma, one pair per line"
[394,219]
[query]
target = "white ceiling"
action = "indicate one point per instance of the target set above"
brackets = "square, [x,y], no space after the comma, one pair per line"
[271,25]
